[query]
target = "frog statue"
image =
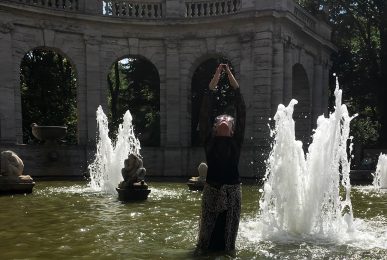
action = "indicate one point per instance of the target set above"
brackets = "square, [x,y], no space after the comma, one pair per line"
[133,172]
[133,187]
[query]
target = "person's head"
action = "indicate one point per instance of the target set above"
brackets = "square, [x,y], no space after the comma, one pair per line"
[224,125]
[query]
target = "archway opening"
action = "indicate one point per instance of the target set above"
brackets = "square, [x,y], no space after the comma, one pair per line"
[199,85]
[303,111]
[134,84]
[48,93]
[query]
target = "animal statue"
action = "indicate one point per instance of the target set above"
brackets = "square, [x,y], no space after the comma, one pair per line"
[133,170]
[12,167]
[202,169]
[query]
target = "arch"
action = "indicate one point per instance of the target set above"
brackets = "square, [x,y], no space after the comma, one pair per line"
[200,79]
[139,91]
[51,73]
[303,111]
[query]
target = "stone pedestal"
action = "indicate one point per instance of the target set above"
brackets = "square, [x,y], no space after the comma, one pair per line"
[134,192]
[195,184]
[23,184]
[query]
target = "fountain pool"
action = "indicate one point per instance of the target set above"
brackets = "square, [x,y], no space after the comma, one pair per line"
[63,220]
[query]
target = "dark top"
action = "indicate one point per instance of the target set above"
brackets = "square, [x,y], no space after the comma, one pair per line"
[222,153]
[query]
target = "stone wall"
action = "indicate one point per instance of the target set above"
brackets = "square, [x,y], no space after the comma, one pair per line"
[264,40]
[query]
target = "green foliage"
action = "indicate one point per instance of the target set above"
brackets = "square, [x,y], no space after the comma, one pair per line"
[359,32]
[134,84]
[48,93]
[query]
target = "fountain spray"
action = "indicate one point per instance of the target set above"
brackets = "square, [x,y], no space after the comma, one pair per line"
[380,175]
[105,171]
[308,193]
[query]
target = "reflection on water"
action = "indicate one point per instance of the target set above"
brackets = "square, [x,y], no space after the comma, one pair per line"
[68,219]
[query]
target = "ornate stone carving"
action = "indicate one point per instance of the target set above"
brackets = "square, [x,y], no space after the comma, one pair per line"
[6,27]
[133,187]
[133,170]
[172,43]
[92,39]
[246,37]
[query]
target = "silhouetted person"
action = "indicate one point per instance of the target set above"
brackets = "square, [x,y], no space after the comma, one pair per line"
[223,137]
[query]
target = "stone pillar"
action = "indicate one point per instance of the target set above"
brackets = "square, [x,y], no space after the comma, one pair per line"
[325,88]
[262,62]
[93,84]
[246,82]
[288,74]
[277,96]
[317,93]
[173,155]
[7,86]
[246,79]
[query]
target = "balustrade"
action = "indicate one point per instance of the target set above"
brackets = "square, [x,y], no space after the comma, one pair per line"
[211,8]
[72,5]
[132,9]
[305,17]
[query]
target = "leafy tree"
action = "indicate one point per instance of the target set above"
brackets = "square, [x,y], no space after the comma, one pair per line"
[360,33]
[48,93]
[134,84]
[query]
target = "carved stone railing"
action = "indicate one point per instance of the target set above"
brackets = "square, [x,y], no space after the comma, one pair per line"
[305,17]
[141,9]
[72,5]
[211,8]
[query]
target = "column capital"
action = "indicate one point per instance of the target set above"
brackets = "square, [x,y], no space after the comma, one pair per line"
[7,27]
[172,43]
[92,39]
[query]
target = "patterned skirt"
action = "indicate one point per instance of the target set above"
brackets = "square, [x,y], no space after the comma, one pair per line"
[219,221]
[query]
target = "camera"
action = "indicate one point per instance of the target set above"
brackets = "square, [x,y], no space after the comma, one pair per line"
[224,66]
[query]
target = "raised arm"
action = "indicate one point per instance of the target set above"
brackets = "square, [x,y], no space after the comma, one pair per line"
[215,78]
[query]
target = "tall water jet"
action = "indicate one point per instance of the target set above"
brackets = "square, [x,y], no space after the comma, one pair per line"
[301,193]
[380,175]
[105,171]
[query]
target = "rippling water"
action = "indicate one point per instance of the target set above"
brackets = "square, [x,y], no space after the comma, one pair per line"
[63,220]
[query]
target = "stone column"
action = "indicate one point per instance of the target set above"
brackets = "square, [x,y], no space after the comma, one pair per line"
[246,80]
[262,62]
[288,74]
[93,84]
[172,154]
[7,86]
[277,95]
[317,92]
[325,87]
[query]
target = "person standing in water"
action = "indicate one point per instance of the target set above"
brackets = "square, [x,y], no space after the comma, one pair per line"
[223,137]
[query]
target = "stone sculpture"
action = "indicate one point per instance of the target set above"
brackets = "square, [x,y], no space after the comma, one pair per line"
[133,171]
[197,183]
[133,187]
[12,179]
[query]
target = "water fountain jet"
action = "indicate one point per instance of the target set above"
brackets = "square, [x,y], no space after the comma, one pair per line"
[302,191]
[380,175]
[106,173]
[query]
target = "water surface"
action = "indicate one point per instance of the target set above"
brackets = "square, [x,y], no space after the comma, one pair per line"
[63,220]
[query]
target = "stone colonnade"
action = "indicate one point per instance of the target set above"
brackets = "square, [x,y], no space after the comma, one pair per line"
[264,47]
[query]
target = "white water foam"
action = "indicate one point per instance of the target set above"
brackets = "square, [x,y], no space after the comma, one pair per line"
[301,195]
[105,171]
